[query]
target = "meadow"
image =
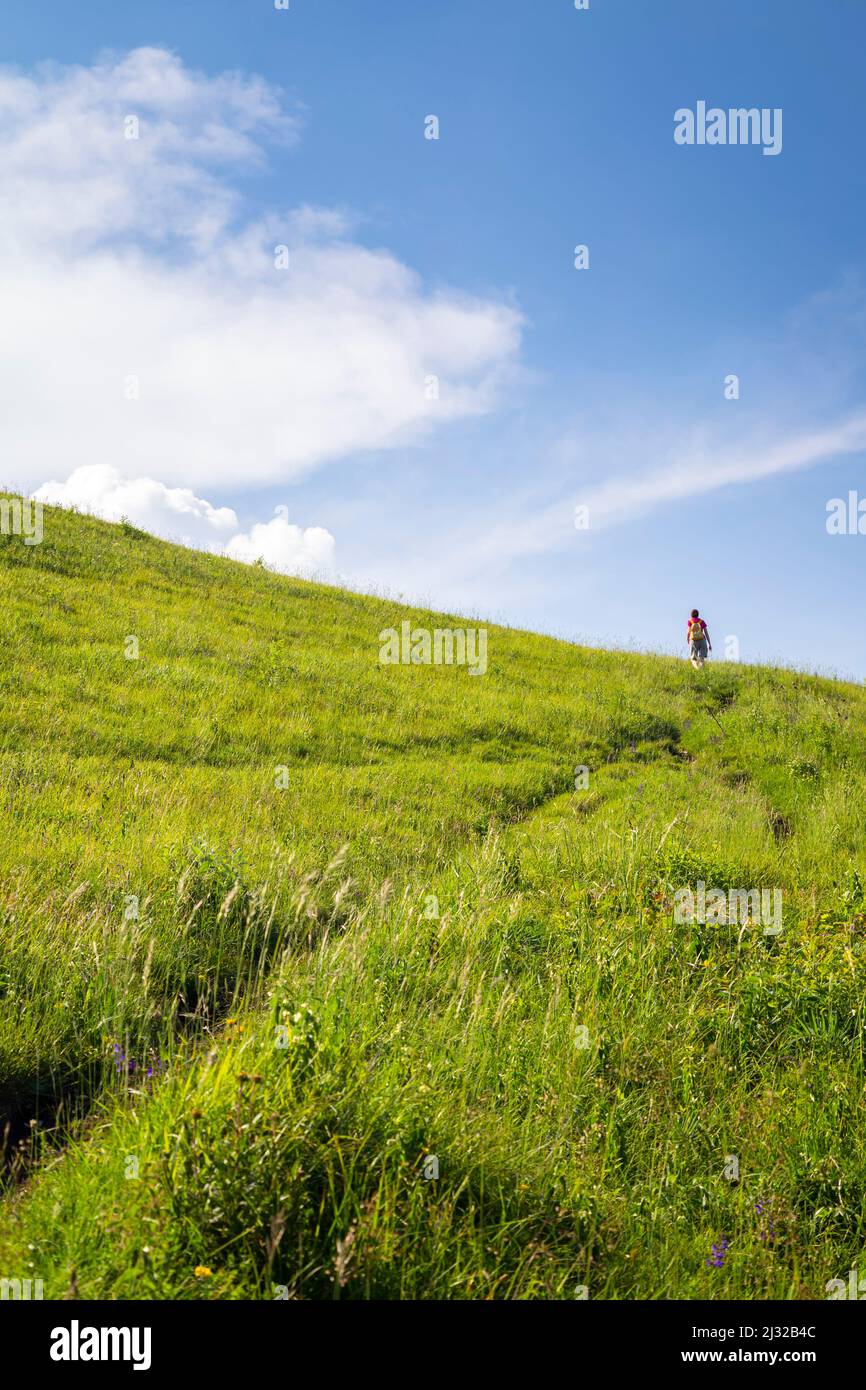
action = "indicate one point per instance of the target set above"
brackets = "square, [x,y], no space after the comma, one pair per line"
[329,979]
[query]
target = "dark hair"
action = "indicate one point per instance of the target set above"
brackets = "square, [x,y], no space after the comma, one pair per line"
[695,613]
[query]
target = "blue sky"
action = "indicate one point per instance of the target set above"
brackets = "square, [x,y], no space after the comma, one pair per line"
[602,387]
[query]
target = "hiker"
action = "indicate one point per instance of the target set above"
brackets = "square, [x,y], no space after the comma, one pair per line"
[698,638]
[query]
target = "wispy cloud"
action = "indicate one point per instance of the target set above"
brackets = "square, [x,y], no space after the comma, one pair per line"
[708,469]
[701,467]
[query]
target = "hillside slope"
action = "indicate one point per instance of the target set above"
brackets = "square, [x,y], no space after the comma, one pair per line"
[322,977]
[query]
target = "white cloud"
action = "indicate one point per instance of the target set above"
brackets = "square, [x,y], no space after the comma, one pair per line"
[65,146]
[285,547]
[173,512]
[127,266]
[702,470]
[698,467]
[178,515]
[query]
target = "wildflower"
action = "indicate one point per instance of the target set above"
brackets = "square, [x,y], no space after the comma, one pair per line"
[720,1250]
[202,1272]
[127,1066]
[768,1235]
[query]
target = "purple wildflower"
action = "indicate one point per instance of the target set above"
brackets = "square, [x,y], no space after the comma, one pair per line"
[128,1066]
[768,1236]
[720,1249]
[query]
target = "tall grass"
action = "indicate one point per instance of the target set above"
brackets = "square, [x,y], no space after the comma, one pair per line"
[280,926]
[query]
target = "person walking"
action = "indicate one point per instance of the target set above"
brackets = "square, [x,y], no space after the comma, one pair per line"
[698,638]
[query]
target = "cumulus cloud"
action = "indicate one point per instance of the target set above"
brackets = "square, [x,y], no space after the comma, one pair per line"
[151,324]
[177,514]
[173,512]
[284,547]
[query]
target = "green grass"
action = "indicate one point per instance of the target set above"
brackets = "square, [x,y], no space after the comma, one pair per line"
[353,916]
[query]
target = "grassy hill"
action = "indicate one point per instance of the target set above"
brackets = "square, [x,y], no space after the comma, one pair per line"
[285,931]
